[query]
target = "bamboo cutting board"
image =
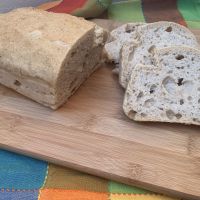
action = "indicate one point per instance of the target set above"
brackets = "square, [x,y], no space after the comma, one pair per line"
[91,134]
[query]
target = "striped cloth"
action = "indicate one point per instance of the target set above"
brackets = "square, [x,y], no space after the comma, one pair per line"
[24,178]
[185,12]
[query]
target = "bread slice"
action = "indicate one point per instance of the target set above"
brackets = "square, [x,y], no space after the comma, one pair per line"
[168,91]
[158,34]
[46,56]
[118,37]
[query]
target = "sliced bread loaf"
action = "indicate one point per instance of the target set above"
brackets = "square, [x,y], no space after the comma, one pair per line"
[123,34]
[158,34]
[168,91]
[46,56]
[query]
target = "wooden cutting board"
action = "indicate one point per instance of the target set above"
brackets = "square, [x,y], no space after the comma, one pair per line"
[91,134]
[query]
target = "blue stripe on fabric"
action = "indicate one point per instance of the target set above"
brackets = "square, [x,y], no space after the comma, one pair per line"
[19,195]
[21,172]
[7,5]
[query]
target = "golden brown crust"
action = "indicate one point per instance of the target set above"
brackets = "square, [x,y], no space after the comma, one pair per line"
[35,42]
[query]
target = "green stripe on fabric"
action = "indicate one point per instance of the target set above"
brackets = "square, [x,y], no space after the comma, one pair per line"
[190,11]
[117,188]
[193,24]
[129,11]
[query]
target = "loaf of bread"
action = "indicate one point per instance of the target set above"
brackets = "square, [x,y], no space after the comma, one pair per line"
[118,37]
[168,90]
[158,34]
[46,56]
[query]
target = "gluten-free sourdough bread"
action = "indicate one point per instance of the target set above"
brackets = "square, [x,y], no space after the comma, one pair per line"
[158,34]
[118,37]
[168,91]
[46,56]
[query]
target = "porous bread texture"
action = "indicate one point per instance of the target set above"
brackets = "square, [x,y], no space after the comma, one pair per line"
[46,56]
[168,91]
[118,37]
[158,34]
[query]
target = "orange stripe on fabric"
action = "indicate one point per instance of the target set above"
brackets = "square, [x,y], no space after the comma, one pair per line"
[57,194]
[49,5]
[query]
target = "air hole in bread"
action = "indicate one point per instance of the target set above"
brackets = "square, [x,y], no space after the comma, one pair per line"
[198,89]
[192,59]
[141,94]
[199,101]
[168,29]
[131,114]
[180,82]
[114,62]
[129,29]
[181,102]
[189,98]
[170,114]
[179,57]
[143,115]
[17,83]
[169,84]
[178,115]
[182,67]
[151,48]
[149,102]
[196,120]
[152,89]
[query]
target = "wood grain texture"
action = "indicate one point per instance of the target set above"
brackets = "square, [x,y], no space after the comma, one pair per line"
[91,134]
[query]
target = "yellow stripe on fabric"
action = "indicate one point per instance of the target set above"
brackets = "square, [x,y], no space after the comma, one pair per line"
[139,197]
[45,180]
[64,178]
[127,11]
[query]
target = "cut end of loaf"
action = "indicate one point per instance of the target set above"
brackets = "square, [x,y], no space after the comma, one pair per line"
[152,36]
[169,92]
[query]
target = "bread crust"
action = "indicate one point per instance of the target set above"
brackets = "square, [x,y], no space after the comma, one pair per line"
[47,48]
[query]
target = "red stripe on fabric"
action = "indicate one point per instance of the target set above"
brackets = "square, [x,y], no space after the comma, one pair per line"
[68,6]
